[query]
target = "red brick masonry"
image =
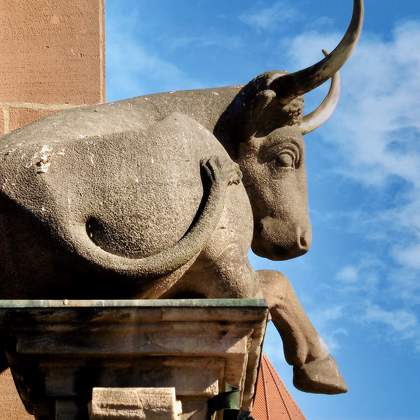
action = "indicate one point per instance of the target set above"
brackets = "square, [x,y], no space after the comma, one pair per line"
[51,58]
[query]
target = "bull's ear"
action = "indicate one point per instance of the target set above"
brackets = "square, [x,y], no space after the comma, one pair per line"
[261,103]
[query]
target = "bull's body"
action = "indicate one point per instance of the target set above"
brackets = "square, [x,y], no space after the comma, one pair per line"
[143,198]
[89,194]
[127,177]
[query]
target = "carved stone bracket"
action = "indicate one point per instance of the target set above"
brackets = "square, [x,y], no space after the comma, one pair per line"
[59,351]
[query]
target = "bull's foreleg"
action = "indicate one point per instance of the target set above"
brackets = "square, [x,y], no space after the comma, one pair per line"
[229,275]
[313,367]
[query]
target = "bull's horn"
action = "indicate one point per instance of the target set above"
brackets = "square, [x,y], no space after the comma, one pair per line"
[291,85]
[321,114]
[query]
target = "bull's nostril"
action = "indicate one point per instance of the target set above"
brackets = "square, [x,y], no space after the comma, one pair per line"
[304,243]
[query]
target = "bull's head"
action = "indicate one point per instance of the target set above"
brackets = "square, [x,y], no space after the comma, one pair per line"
[271,147]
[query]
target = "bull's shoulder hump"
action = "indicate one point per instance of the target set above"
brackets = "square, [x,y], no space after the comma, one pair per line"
[203,105]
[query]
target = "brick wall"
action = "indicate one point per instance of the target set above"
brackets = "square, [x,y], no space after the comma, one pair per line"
[52,57]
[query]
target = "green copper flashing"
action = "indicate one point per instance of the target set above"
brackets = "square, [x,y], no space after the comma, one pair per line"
[133,303]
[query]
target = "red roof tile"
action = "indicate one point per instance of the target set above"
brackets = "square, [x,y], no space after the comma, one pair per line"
[272,401]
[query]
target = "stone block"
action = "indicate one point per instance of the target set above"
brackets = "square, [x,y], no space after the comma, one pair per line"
[135,403]
[52,51]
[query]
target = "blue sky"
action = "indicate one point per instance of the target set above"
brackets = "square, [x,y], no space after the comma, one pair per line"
[360,281]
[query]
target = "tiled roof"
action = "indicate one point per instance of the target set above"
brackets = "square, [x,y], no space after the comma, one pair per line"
[272,401]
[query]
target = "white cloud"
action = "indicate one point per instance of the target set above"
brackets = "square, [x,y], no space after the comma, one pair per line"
[405,285]
[348,274]
[205,41]
[331,339]
[408,256]
[362,277]
[271,17]
[325,320]
[403,324]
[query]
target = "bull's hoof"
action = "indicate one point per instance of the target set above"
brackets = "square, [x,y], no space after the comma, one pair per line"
[319,377]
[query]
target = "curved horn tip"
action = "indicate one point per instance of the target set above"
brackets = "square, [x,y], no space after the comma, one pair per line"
[295,84]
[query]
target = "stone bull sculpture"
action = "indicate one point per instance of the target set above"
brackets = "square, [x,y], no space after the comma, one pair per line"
[162,196]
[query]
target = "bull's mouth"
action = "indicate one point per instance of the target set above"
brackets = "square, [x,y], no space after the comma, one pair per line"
[276,252]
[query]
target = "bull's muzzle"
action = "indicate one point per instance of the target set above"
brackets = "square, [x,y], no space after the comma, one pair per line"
[278,241]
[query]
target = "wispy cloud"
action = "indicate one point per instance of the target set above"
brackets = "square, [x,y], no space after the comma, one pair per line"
[408,256]
[399,320]
[400,324]
[348,274]
[361,277]
[328,321]
[268,18]
[228,42]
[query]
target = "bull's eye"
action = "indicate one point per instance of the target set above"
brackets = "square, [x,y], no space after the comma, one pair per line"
[285,160]
[283,156]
